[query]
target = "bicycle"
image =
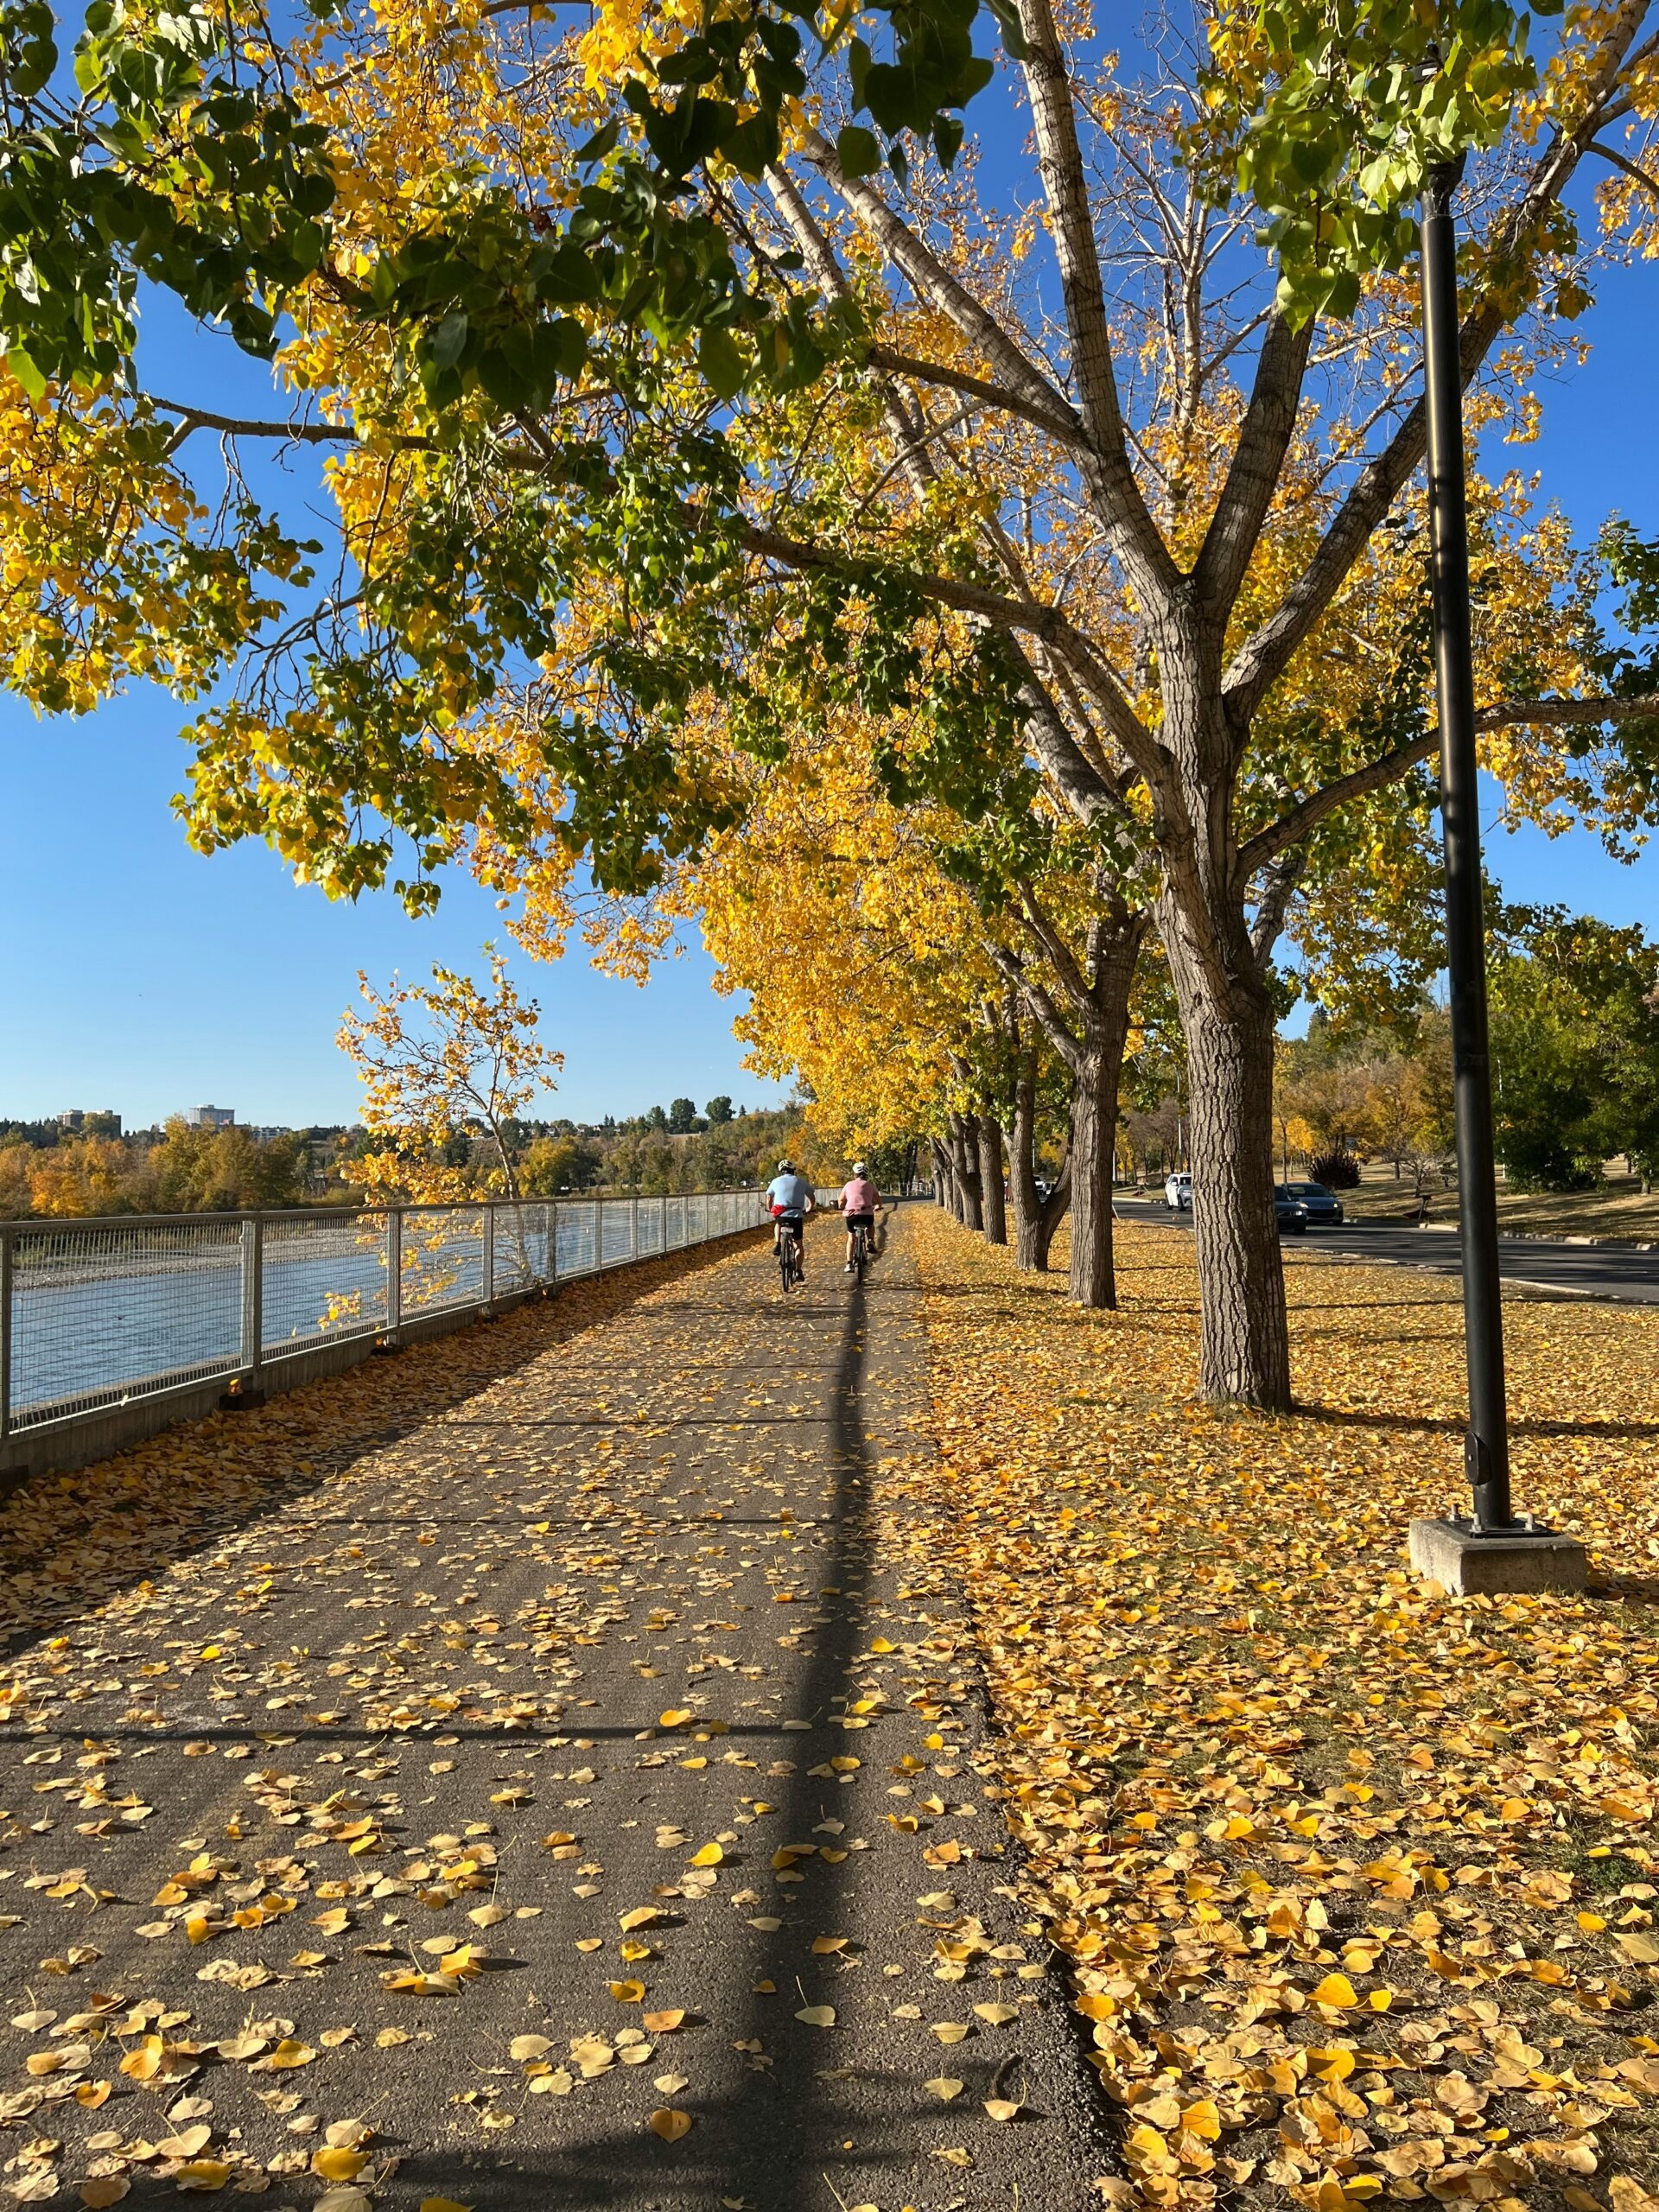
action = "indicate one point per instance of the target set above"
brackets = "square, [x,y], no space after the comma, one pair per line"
[860,1250]
[789,1255]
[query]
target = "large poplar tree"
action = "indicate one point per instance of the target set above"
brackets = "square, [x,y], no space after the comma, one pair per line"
[705,340]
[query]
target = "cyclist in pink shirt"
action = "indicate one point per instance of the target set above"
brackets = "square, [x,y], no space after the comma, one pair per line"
[859,1203]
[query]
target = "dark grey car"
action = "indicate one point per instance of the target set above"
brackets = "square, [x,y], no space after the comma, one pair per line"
[1324,1207]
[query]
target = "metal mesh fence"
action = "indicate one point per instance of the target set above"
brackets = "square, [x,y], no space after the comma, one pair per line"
[522,1237]
[321,1279]
[99,1315]
[95,1314]
[577,1252]
[442,1259]
[615,1232]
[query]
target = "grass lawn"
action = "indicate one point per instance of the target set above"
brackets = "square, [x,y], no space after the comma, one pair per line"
[1356,1883]
[1617,1209]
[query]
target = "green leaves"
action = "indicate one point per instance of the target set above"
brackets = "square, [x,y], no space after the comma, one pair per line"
[723,366]
[857,151]
[167,171]
[1330,113]
[29,31]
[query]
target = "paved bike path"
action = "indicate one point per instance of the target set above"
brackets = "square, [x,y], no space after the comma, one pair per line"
[633,1633]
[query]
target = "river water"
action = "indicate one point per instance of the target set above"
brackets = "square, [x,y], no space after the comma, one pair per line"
[97,1314]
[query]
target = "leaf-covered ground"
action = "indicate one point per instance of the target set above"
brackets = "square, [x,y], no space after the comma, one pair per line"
[652,1752]
[545,1769]
[1357,1882]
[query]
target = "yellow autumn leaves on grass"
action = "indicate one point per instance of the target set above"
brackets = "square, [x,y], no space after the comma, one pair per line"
[1356,1883]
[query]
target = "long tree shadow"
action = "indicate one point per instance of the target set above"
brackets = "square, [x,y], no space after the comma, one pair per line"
[1455,1424]
[801,2132]
[765,2140]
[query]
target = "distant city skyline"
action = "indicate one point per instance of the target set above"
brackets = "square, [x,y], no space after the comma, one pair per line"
[75,1119]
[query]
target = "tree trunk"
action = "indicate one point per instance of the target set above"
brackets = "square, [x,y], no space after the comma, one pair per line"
[1094,1116]
[1227,1018]
[1094,1140]
[941,1175]
[1090,1036]
[1030,1246]
[965,1173]
[1035,1218]
[990,1178]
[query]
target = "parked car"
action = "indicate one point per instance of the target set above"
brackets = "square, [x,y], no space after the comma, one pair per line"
[1290,1213]
[1178,1192]
[1324,1206]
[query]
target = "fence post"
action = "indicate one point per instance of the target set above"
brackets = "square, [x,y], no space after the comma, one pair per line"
[489,1254]
[6,1334]
[633,1229]
[253,1306]
[394,1272]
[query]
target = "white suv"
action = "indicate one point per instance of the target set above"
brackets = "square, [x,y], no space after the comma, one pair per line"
[1178,1192]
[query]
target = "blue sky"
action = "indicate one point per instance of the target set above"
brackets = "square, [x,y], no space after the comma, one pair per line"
[145,977]
[142,976]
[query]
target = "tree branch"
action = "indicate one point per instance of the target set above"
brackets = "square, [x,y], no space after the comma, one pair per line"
[1264,655]
[237,426]
[1147,560]
[1263,440]
[1630,169]
[1057,953]
[1283,877]
[1068,431]
[1086,791]
[906,426]
[1503,714]
[1041,1003]
[933,282]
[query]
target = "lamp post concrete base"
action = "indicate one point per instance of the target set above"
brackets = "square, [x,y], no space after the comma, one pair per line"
[1528,1560]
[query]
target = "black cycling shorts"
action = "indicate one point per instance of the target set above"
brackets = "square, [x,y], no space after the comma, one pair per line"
[796,1222]
[859,1220]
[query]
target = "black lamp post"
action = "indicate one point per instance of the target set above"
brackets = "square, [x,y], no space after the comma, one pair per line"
[1487,1442]
[1492,1551]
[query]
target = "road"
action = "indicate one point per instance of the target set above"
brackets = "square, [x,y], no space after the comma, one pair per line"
[580,1792]
[1579,1270]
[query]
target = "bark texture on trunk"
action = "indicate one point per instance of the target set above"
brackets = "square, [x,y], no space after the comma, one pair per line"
[1094,1142]
[1227,1021]
[993,1213]
[964,1164]
[1035,1218]
[1086,1018]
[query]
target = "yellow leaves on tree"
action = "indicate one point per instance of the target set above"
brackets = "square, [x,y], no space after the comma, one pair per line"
[438,1062]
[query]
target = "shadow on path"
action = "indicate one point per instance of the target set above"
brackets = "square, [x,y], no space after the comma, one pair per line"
[69,1542]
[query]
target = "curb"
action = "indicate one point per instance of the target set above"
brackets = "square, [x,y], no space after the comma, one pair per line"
[1512,1235]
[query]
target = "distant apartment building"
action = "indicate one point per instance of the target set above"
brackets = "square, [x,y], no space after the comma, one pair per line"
[104,1124]
[210,1118]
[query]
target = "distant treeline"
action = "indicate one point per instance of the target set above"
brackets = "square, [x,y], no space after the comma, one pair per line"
[47,1171]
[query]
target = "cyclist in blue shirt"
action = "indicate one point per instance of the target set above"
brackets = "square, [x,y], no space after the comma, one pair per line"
[789,1199]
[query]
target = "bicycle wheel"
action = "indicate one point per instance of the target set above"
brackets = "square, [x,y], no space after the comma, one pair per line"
[860,1254]
[786,1261]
